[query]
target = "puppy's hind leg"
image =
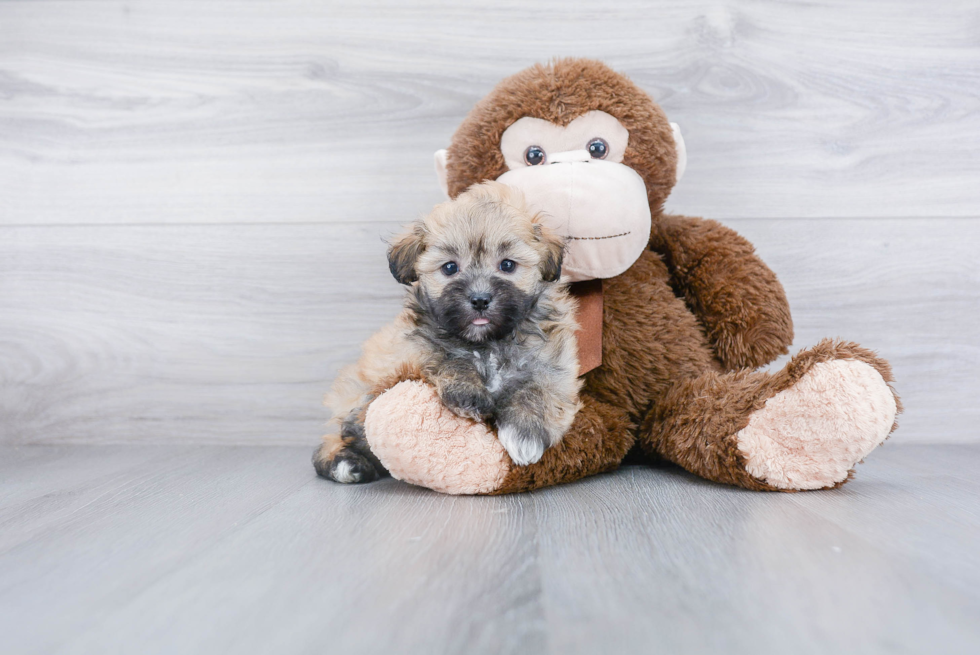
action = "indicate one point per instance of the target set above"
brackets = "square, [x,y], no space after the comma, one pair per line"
[346,457]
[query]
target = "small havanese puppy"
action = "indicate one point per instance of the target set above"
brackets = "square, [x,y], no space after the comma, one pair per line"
[486,322]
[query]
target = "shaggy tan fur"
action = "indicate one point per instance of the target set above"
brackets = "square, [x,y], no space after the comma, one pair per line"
[383,357]
[488,223]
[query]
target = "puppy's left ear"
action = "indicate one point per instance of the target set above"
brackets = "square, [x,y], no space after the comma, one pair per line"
[403,254]
[552,250]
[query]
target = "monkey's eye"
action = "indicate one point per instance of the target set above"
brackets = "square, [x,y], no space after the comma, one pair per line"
[598,148]
[534,155]
[449,269]
[508,266]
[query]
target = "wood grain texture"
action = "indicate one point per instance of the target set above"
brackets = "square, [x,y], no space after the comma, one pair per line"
[183,333]
[240,549]
[231,334]
[909,289]
[228,112]
[215,549]
[192,194]
[667,559]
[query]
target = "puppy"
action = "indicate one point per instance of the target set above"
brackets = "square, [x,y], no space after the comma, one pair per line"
[486,321]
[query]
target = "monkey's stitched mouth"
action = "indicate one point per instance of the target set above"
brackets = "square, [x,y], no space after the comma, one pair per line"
[611,236]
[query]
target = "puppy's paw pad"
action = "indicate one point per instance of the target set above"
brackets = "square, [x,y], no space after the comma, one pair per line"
[523,448]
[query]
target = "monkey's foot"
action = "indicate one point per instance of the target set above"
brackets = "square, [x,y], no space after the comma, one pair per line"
[419,440]
[811,435]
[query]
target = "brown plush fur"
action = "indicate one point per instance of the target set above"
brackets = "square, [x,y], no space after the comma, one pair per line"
[560,93]
[696,424]
[739,301]
[521,368]
[597,442]
[683,327]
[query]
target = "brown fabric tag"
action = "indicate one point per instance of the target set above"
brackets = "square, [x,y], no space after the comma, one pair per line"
[589,318]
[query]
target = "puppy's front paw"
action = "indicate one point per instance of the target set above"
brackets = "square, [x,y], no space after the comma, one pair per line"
[524,447]
[346,467]
[467,401]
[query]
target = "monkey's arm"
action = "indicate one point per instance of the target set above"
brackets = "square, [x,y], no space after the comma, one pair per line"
[737,298]
[597,441]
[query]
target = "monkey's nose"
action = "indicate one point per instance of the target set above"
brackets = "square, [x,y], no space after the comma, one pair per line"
[480,301]
[569,156]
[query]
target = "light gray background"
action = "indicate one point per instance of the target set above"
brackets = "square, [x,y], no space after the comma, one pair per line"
[193,195]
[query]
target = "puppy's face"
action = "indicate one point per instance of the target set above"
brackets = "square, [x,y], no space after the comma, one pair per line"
[480,262]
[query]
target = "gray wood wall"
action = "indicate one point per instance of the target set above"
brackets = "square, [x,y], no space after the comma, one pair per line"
[193,195]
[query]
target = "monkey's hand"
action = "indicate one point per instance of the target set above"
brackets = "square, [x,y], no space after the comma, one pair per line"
[736,297]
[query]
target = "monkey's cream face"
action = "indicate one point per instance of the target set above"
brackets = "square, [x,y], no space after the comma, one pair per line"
[575,177]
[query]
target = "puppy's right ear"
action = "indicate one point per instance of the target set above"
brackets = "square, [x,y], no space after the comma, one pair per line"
[403,254]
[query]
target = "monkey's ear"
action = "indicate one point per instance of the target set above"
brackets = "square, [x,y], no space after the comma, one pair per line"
[681,151]
[403,254]
[553,251]
[440,160]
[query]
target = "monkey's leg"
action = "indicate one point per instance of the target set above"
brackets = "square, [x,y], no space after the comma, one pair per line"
[424,443]
[804,427]
[597,441]
[346,457]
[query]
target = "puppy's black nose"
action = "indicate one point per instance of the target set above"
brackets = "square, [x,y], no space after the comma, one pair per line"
[480,301]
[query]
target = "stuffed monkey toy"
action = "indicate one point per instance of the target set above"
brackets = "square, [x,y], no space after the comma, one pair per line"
[676,314]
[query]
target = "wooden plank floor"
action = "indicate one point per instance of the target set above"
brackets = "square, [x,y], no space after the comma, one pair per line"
[214,549]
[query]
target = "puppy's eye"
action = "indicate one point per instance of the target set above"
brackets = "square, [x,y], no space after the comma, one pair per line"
[598,148]
[534,155]
[508,266]
[449,269]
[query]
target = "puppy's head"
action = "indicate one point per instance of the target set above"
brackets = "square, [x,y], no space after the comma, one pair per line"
[478,263]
